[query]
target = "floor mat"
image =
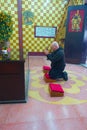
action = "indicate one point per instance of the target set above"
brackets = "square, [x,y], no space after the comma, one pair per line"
[75,89]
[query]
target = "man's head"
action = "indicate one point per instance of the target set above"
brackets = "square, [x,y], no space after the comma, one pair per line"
[54,45]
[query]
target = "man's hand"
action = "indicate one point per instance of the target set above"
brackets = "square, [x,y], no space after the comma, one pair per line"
[46,52]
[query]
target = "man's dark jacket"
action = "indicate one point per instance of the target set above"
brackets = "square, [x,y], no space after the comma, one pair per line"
[57,63]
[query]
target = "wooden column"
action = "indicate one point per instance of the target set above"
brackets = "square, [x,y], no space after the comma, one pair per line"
[20,28]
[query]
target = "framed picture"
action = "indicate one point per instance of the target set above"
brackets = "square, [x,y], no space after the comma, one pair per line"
[45,32]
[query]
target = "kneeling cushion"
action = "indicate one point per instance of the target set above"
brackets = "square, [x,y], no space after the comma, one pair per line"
[46,69]
[48,79]
[56,90]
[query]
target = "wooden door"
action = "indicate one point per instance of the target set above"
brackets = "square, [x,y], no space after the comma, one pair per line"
[75,46]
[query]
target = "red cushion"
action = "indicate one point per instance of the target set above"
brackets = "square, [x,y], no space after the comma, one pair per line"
[56,87]
[47,76]
[46,67]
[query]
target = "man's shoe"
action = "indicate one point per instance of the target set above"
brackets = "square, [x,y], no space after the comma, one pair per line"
[65,76]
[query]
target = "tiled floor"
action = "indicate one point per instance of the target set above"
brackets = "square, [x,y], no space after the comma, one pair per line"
[43,112]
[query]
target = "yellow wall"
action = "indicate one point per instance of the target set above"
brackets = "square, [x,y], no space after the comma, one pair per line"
[46,13]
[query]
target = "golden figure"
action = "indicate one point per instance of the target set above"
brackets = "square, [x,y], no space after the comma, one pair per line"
[76,20]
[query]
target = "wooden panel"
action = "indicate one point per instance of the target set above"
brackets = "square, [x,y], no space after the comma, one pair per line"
[12,81]
[75,51]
